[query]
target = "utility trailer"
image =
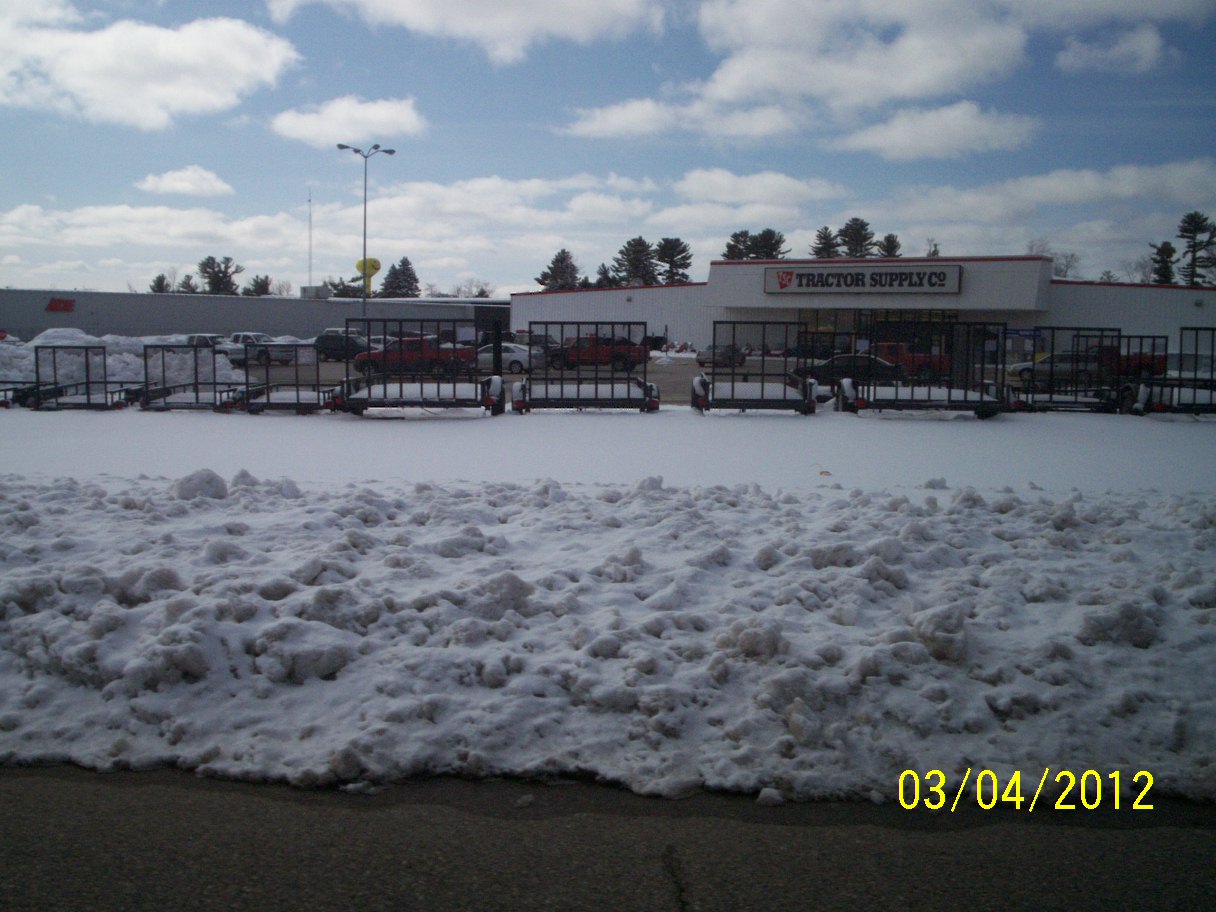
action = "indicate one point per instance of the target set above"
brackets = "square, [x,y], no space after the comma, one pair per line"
[297,386]
[941,367]
[423,364]
[1188,383]
[74,377]
[598,364]
[755,365]
[185,377]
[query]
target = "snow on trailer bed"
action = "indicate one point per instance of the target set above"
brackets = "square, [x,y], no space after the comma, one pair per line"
[359,396]
[613,392]
[774,394]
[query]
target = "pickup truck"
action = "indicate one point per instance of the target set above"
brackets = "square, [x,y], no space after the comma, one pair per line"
[241,345]
[1132,364]
[621,355]
[920,366]
[418,355]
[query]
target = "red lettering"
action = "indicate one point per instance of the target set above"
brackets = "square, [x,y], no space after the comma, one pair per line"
[61,305]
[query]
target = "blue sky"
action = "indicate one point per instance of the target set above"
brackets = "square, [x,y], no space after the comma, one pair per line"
[138,137]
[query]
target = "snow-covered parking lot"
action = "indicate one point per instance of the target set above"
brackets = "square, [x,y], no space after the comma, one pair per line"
[808,605]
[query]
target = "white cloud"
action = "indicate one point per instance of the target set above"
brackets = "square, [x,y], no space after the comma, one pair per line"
[1137,51]
[789,63]
[717,185]
[131,73]
[638,117]
[947,132]
[506,31]
[1176,184]
[350,119]
[193,180]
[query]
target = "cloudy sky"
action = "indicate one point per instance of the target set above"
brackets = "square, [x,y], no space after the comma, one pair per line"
[138,137]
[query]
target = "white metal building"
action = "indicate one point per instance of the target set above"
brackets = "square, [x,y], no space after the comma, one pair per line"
[847,295]
[27,312]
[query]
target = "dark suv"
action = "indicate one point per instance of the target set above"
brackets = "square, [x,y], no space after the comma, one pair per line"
[339,345]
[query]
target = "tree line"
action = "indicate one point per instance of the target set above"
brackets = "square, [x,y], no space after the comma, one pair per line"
[668,262]
[217,276]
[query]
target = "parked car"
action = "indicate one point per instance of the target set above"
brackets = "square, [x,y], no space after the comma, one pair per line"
[486,337]
[861,367]
[721,356]
[516,358]
[336,344]
[536,340]
[205,340]
[418,355]
[264,350]
[1067,368]
[620,354]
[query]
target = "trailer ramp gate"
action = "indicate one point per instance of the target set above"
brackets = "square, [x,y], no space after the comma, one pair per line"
[940,366]
[424,364]
[599,364]
[755,365]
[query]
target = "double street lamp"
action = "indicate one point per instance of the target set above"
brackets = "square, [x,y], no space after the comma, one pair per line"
[363,263]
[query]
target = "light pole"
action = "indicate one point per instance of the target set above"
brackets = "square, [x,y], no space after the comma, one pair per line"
[365,156]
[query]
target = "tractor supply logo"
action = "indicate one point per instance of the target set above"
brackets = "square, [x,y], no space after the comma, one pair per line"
[61,305]
[865,279]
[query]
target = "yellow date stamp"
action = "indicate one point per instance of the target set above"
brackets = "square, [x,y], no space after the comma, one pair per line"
[1085,790]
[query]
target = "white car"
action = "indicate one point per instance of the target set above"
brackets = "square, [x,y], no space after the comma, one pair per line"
[264,349]
[515,357]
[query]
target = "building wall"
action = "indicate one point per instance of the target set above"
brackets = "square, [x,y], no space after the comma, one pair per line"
[26,313]
[1132,309]
[675,311]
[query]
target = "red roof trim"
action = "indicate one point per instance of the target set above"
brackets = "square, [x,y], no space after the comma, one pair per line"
[1191,288]
[843,261]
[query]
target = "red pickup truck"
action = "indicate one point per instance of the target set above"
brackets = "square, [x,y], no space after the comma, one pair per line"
[1143,363]
[920,366]
[418,355]
[620,354]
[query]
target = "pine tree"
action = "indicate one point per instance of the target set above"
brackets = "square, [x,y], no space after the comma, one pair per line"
[258,286]
[161,285]
[187,285]
[220,275]
[400,281]
[827,245]
[1199,254]
[857,238]
[606,278]
[675,257]
[765,245]
[738,247]
[888,247]
[931,248]
[635,263]
[1164,258]
[562,274]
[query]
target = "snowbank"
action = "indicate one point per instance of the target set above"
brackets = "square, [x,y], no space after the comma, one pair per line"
[814,643]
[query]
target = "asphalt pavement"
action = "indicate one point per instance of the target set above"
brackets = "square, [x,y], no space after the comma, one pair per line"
[167,840]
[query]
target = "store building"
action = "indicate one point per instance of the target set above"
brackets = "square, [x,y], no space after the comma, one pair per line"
[849,296]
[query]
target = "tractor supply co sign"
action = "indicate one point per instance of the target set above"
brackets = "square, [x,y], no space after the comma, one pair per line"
[856,279]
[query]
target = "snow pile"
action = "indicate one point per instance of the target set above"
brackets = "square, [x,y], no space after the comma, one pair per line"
[124,360]
[810,644]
